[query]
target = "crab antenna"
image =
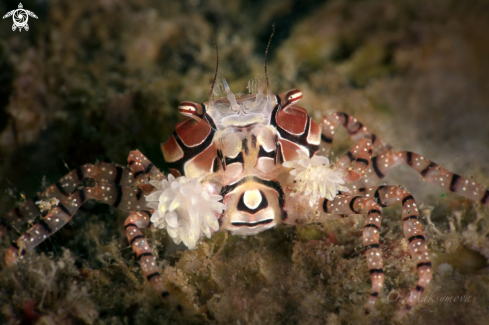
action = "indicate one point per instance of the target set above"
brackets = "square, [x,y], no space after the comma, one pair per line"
[266,56]
[217,67]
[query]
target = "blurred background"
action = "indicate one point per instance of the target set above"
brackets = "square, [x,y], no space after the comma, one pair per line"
[92,80]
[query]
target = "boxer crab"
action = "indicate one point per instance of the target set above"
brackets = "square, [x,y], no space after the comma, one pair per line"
[244,165]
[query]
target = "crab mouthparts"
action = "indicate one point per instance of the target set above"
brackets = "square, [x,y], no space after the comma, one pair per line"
[252,224]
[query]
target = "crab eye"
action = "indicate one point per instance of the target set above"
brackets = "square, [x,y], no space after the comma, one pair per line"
[293,96]
[289,98]
[191,109]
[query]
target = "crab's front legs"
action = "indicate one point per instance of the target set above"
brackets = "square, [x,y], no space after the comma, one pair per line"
[136,221]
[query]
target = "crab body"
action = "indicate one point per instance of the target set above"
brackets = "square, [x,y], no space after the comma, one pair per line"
[240,154]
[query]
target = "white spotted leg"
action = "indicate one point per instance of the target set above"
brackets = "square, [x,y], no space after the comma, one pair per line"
[385,159]
[430,171]
[356,204]
[136,221]
[411,224]
[122,197]
[370,201]
[115,186]
[356,130]
[356,161]
[67,185]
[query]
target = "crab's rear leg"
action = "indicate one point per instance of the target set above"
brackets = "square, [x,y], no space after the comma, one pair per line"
[126,198]
[430,171]
[385,159]
[123,197]
[67,185]
[139,171]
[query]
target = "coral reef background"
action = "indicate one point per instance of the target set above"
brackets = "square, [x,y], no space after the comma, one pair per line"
[92,80]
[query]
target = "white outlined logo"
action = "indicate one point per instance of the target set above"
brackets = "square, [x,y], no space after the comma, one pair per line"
[20,17]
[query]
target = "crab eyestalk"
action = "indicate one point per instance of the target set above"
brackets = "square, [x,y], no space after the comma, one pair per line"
[290,98]
[191,109]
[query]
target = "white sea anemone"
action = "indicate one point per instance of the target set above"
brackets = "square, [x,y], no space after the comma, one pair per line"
[185,208]
[315,178]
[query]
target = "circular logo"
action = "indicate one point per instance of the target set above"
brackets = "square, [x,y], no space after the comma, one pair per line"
[20,17]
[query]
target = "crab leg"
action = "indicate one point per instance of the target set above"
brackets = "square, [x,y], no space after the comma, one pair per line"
[385,158]
[430,171]
[139,169]
[139,243]
[356,160]
[355,129]
[123,197]
[370,201]
[67,185]
[126,198]
[142,169]
[356,204]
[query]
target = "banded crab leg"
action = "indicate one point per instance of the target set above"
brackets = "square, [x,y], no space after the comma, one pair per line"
[356,160]
[136,221]
[67,185]
[356,130]
[122,197]
[370,201]
[385,159]
[356,204]
[126,198]
[430,171]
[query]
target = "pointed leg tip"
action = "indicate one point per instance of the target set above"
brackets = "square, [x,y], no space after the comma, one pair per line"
[11,256]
